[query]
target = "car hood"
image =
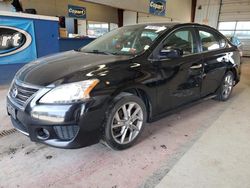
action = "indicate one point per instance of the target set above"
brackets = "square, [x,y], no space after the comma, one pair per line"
[63,66]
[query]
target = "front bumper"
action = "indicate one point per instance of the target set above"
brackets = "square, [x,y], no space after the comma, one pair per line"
[63,126]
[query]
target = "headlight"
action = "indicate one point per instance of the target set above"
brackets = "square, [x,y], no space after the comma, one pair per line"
[68,93]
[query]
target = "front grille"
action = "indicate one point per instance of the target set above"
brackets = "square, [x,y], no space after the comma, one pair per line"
[66,132]
[21,93]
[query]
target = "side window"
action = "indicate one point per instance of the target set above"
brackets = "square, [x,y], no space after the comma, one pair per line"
[222,42]
[182,40]
[209,41]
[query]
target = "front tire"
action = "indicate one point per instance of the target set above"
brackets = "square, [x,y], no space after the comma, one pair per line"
[226,87]
[125,121]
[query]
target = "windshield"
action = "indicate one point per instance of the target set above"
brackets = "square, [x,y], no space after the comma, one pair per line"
[129,40]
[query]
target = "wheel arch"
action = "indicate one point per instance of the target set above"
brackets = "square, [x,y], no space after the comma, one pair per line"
[234,71]
[142,94]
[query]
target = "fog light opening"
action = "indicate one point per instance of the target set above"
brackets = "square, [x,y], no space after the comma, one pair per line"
[43,134]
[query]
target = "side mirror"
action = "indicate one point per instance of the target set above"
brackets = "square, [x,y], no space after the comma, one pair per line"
[171,53]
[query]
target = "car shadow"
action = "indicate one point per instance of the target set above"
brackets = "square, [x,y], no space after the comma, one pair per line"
[195,110]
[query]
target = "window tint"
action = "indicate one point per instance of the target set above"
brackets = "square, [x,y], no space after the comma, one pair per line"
[182,40]
[209,41]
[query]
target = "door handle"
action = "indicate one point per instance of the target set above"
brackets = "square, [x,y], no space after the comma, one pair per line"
[196,66]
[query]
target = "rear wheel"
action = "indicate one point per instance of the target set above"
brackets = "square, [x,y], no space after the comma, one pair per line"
[226,87]
[125,121]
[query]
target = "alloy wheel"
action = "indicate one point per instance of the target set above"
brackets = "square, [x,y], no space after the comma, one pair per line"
[227,86]
[127,123]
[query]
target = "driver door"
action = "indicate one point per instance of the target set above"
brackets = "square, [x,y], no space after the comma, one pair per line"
[180,69]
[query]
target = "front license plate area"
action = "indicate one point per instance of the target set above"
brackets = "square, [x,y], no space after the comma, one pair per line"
[12,111]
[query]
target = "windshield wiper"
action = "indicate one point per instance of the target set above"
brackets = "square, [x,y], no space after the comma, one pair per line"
[103,52]
[100,52]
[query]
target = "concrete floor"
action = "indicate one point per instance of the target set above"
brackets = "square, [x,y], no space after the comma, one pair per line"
[221,157]
[197,147]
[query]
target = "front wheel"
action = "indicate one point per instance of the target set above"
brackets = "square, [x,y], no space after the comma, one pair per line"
[125,121]
[226,87]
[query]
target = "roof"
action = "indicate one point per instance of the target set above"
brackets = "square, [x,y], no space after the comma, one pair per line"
[171,24]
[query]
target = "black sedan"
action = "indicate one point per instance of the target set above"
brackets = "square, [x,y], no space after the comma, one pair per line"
[110,88]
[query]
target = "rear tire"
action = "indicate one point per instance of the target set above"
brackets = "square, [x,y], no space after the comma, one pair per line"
[125,121]
[226,87]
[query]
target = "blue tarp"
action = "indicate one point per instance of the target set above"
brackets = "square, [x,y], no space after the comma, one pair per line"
[26,55]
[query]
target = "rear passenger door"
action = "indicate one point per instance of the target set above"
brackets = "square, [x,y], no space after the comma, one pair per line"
[212,46]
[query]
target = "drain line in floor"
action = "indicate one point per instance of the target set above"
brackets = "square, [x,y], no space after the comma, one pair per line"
[7,132]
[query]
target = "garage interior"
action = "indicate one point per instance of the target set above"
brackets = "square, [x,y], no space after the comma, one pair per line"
[204,145]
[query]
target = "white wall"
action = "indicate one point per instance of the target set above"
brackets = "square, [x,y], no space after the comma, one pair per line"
[133,5]
[176,9]
[235,10]
[148,18]
[95,12]
[6,6]
[207,12]
[102,11]
[179,10]
[129,17]
[82,27]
